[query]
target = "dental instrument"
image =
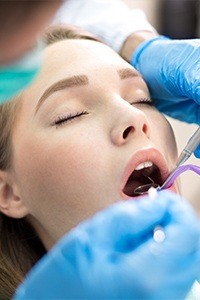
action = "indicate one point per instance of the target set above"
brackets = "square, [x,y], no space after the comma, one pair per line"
[176,172]
[190,147]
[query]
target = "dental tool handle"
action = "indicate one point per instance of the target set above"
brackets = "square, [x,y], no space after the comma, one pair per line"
[177,172]
[191,146]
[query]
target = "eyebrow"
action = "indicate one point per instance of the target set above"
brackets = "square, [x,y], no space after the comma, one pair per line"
[73,81]
[79,80]
[127,73]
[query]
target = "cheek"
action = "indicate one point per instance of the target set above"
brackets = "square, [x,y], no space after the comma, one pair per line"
[57,170]
[164,137]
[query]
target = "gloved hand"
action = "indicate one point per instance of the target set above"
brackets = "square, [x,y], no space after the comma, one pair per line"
[171,69]
[114,256]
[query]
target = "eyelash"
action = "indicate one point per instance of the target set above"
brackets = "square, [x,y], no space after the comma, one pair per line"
[147,101]
[64,119]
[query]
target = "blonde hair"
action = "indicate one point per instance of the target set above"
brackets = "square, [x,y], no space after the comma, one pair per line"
[20,247]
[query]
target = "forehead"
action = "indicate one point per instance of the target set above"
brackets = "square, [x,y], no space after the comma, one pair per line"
[71,57]
[81,48]
[79,55]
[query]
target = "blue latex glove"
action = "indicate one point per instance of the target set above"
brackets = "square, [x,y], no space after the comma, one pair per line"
[197,152]
[171,69]
[113,255]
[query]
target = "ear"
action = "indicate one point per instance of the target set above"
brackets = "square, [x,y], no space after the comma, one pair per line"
[11,203]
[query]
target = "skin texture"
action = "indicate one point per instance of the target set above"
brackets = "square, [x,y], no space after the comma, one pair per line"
[63,174]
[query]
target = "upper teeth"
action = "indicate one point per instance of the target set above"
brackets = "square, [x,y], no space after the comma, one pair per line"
[143,165]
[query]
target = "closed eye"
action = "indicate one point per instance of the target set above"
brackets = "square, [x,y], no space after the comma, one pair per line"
[61,120]
[142,101]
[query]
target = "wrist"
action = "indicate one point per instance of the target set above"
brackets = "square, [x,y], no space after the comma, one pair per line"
[133,41]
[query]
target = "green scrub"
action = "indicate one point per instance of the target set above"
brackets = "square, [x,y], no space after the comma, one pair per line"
[15,77]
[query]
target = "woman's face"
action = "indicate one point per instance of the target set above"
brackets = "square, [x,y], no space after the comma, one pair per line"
[84,126]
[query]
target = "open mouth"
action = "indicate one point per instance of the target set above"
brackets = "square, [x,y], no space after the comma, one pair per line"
[146,173]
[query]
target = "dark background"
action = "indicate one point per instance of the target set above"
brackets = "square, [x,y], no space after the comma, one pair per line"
[179,18]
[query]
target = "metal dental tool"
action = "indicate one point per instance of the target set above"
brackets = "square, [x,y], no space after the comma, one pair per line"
[190,147]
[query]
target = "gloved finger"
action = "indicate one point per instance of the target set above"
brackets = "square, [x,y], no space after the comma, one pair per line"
[197,152]
[183,231]
[180,225]
[154,275]
[128,224]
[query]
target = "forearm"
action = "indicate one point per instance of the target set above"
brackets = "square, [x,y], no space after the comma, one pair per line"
[133,41]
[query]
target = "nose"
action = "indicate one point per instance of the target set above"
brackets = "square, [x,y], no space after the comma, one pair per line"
[129,123]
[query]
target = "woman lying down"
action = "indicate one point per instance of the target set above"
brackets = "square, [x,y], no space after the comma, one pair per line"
[83,136]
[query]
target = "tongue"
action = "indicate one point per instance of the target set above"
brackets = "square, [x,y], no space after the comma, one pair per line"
[130,187]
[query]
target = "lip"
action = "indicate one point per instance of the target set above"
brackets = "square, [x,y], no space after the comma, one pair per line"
[140,156]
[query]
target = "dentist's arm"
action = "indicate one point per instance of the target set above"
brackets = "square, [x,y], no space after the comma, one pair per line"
[114,255]
[171,68]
